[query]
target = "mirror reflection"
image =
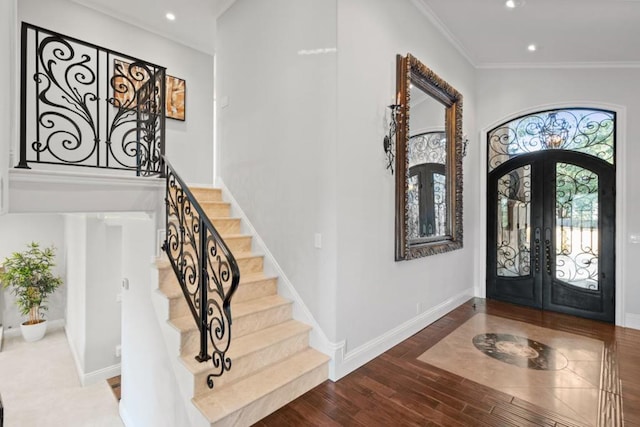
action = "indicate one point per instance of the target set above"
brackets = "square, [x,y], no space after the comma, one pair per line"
[429,163]
[427,159]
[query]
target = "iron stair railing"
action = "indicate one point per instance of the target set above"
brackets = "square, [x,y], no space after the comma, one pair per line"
[86,105]
[206,270]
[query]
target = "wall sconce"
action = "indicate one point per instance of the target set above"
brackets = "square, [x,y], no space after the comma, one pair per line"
[389,141]
[465,142]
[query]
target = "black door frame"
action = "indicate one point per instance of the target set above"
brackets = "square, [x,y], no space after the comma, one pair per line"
[545,289]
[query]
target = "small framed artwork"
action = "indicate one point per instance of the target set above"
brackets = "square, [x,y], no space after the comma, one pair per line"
[175,98]
[125,90]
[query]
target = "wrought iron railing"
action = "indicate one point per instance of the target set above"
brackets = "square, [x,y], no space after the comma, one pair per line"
[85,105]
[206,270]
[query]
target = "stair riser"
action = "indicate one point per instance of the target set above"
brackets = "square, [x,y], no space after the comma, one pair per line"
[190,341]
[217,210]
[207,194]
[260,408]
[250,265]
[238,244]
[227,225]
[253,362]
[251,290]
[168,280]
[178,307]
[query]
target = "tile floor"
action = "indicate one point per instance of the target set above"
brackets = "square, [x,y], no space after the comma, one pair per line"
[40,387]
[556,370]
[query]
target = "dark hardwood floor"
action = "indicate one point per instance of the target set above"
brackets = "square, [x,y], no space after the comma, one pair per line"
[396,389]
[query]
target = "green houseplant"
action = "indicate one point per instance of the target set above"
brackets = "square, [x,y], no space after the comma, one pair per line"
[28,274]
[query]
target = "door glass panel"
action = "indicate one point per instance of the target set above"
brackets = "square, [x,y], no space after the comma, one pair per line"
[514,219]
[439,203]
[413,205]
[577,129]
[576,226]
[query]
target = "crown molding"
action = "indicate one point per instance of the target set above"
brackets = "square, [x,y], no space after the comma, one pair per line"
[422,6]
[559,65]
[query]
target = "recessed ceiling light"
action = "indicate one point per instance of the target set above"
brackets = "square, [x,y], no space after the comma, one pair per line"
[532,48]
[512,4]
[170,16]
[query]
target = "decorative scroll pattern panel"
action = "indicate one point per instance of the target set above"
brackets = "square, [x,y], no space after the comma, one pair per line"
[584,130]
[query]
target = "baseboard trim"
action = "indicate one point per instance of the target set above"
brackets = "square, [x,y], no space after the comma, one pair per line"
[100,375]
[124,415]
[347,362]
[52,325]
[632,320]
[317,338]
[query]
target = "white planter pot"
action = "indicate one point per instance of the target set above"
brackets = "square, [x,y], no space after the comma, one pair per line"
[33,332]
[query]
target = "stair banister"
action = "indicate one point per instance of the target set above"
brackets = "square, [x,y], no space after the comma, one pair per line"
[205,267]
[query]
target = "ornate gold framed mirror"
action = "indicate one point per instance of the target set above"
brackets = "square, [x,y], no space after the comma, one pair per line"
[428,162]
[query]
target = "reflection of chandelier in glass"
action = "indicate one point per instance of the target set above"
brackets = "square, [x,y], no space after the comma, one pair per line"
[554,132]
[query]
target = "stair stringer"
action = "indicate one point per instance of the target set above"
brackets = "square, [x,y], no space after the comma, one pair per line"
[318,340]
[171,338]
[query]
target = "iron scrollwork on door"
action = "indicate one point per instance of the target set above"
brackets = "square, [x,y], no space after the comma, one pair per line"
[514,204]
[578,129]
[577,215]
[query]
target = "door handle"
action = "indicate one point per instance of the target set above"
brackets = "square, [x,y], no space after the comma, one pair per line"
[536,249]
[547,250]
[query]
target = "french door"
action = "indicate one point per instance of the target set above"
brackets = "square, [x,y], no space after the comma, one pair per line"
[550,233]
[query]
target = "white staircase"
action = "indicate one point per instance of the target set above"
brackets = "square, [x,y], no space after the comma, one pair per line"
[272,363]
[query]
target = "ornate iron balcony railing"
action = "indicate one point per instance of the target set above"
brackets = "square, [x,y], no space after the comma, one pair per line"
[86,105]
[206,270]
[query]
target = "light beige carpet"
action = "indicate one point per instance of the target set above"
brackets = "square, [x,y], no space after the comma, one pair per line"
[40,387]
[555,370]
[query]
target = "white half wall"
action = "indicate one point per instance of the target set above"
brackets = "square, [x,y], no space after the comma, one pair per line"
[150,393]
[507,93]
[8,36]
[189,142]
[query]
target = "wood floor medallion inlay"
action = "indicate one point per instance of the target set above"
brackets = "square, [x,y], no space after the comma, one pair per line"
[556,370]
[520,351]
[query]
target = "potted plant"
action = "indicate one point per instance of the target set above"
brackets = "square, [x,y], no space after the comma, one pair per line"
[28,275]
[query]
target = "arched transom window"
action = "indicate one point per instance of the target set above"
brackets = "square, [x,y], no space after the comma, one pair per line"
[588,131]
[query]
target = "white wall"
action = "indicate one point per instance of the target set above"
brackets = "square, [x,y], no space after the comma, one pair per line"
[301,150]
[504,93]
[16,231]
[76,325]
[8,36]
[189,143]
[277,143]
[104,277]
[150,393]
[376,296]
[94,269]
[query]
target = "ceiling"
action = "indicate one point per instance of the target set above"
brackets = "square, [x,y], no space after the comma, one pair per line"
[195,19]
[566,32]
